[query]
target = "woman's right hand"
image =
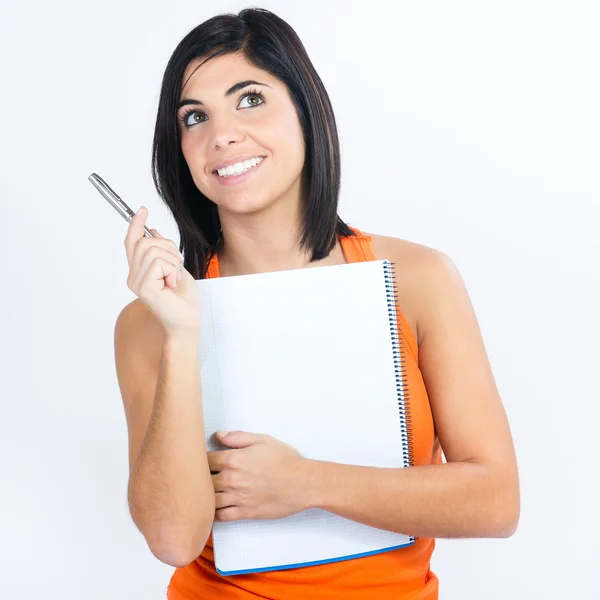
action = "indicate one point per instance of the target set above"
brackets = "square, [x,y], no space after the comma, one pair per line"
[154,264]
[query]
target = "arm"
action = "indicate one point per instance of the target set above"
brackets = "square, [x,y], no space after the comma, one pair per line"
[476,494]
[170,492]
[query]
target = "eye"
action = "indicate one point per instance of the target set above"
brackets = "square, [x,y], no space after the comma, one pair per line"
[198,113]
[255,94]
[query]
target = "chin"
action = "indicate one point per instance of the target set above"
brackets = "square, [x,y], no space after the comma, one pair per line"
[242,204]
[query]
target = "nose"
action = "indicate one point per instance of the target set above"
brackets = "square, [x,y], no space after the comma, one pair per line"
[226,130]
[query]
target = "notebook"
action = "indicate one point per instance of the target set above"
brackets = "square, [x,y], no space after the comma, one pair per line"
[313,358]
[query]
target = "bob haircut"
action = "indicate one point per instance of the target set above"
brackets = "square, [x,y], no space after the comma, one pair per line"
[270,44]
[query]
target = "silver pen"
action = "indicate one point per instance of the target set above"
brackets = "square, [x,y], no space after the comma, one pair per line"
[115,201]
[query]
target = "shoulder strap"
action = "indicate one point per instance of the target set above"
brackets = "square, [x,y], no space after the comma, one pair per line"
[357,248]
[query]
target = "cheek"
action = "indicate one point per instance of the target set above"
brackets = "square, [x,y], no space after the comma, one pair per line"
[191,156]
[295,154]
[186,150]
[285,142]
[294,140]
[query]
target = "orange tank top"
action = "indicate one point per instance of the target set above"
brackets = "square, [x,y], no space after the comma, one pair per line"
[397,574]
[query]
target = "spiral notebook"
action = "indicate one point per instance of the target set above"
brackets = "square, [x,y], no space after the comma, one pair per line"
[313,358]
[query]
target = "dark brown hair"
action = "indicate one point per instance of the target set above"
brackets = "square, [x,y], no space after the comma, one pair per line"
[270,44]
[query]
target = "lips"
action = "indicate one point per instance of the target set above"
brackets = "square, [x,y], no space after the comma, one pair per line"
[233,180]
[238,159]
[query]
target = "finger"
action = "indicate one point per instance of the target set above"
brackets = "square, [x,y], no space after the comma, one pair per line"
[218,459]
[230,513]
[170,280]
[145,243]
[241,439]
[217,481]
[210,458]
[215,460]
[147,249]
[136,242]
[135,231]
[223,500]
[160,269]
[174,248]
[144,258]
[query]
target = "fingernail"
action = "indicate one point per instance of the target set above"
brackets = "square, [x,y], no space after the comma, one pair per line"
[222,433]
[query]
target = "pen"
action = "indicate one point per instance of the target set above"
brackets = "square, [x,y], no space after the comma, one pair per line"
[115,201]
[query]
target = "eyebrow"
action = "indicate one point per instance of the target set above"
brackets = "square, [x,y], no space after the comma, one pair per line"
[232,90]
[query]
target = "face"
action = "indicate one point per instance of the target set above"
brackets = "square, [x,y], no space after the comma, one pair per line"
[256,120]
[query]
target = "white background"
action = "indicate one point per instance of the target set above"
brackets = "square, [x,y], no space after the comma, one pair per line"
[471,127]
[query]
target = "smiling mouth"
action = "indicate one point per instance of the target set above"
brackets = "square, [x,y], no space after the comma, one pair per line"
[216,171]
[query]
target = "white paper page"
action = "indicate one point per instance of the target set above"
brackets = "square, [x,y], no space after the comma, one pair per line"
[305,356]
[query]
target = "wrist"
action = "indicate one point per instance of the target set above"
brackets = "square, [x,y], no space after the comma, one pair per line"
[312,489]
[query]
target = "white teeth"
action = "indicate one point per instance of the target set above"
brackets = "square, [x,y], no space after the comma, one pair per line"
[240,167]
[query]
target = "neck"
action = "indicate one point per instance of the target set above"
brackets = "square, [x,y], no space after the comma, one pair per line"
[264,241]
[269,247]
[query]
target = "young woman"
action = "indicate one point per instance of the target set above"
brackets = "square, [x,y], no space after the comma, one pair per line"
[246,156]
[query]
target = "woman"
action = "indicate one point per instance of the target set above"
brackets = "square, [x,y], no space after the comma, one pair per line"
[246,156]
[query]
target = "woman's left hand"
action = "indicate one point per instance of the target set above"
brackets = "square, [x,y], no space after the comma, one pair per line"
[260,477]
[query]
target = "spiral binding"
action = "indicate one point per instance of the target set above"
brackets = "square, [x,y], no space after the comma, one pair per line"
[389,269]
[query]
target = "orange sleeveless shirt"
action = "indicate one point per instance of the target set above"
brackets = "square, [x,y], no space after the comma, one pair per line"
[400,574]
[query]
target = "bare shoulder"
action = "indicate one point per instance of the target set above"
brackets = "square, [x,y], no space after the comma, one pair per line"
[416,267]
[469,416]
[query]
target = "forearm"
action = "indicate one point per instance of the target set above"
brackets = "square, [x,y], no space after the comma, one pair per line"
[170,492]
[451,500]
